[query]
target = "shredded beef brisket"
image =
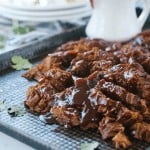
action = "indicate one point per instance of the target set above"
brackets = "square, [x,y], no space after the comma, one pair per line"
[92,83]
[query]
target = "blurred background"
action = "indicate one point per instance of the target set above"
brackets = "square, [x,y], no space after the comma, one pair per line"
[24,21]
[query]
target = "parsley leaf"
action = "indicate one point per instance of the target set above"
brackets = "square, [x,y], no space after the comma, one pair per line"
[22,30]
[2,39]
[89,146]
[2,105]
[16,111]
[20,63]
[1,45]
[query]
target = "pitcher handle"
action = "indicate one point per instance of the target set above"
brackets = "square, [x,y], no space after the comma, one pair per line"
[146,10]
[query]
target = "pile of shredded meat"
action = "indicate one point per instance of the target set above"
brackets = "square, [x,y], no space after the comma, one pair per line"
[96,84]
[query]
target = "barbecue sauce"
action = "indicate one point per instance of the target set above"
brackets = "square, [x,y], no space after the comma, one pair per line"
[76,97]
[81,98]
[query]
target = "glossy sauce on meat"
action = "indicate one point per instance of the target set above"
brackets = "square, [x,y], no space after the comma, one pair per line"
[92,83]
[79,97]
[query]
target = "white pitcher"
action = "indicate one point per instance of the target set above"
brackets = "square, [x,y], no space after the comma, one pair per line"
[116,20]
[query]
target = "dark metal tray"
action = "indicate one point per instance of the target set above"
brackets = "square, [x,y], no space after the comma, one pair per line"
[41,47]
[28,128]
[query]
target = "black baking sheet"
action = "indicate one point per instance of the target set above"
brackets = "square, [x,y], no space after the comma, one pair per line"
[41,47]
[28,128]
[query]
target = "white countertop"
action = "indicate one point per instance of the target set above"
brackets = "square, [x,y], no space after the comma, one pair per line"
[9,143]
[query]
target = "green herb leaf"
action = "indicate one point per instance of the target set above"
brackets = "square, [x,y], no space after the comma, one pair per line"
[15,59]
[2,105]
[16,111]
[20,63]
[22,30]
[1,44]
[2,39]
[89,146]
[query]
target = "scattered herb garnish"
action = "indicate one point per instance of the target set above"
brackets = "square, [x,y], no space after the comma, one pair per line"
[16,111]
[2,39]
[2,105]
[22,29]
[20,63]
[1,45]
[89,146]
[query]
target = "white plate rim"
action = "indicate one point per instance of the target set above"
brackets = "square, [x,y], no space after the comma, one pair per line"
[43,13]
[45,8]
[47,19]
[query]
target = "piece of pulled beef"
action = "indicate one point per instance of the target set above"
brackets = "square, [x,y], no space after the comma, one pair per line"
[59,79]
[92,105]
[67,116]
[141,131]
[104,61]
[121,94]
[79,98]
[80,66]
[58,60]
[39,96]
[121,141]
[130,76]
[142,39]
[133,54]
[112,95]
[109,127]
[143,59]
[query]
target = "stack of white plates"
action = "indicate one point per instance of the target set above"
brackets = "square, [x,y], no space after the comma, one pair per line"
[50,10]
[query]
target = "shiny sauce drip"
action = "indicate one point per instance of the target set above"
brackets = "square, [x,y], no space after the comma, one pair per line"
[80,98]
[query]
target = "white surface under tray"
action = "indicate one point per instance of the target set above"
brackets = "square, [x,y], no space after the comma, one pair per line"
[9,143]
